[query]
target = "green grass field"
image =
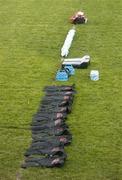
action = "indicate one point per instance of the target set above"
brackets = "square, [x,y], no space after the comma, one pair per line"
[31,36]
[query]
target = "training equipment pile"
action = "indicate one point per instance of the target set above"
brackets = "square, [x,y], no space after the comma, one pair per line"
[78,18]
[50,132]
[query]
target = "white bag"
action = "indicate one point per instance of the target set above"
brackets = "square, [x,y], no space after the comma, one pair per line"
[67,43]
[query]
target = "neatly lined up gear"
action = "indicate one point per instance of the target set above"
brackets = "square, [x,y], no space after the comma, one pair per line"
[50,132]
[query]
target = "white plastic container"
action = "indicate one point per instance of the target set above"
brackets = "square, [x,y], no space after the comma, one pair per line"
[94,75]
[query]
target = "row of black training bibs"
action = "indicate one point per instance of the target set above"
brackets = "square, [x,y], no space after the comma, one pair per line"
[50,132]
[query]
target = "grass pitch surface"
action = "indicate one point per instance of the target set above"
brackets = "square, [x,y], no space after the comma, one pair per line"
[31,36]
